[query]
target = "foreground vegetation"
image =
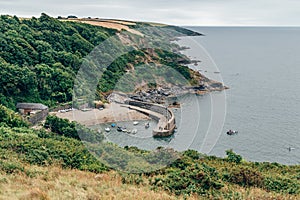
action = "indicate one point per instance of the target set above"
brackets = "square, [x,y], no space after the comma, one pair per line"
[49,164]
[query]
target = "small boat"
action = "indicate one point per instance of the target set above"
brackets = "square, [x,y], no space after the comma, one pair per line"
[147,125]
[124,130]
[113,125]
[134,131]
[290,148]
[231,132]
[135,123]
[119,129]
[86,109]
[107,129]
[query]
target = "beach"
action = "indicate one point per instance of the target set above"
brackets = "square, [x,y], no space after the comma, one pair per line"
[112,112]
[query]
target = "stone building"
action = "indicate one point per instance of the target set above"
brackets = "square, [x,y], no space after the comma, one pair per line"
[34,112]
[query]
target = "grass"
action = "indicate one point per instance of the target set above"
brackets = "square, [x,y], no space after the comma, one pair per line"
[57,183]
[38,164]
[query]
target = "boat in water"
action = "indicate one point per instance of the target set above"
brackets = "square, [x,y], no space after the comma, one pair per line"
[135,123]
[231,132]
[147,125]
[119,128]
[107,129]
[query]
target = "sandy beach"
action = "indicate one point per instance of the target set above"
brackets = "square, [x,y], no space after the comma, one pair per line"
[111,113]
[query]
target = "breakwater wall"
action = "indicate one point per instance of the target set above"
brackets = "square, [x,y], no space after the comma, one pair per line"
[164,116]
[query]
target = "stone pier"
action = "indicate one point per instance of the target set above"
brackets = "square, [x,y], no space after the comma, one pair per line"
[163,115]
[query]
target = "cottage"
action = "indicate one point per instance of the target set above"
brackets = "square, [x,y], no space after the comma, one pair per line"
[35,111]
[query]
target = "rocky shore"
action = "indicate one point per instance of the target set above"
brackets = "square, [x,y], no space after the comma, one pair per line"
[160,94]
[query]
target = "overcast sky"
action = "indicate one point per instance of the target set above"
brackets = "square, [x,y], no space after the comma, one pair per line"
[177,12]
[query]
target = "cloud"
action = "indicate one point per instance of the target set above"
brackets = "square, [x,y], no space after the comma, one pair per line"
[179,12]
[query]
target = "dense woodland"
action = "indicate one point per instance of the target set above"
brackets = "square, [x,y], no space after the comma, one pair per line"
[39,58]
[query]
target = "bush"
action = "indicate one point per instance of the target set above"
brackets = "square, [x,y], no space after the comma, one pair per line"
[283,185]
[246,177]
[11,167]
[10,118]
[192,154]
[196,178]
[72,130]
[233,157]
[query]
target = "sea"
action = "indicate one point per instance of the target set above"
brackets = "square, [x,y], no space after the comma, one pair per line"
[261,67]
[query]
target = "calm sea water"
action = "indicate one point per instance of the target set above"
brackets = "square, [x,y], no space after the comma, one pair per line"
[262,68]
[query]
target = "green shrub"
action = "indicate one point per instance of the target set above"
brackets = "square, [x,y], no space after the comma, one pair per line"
[72,130]
[233,157]
[245,177]
[195,178]
[11,167]
[192,154]
[283,185]
[10,118]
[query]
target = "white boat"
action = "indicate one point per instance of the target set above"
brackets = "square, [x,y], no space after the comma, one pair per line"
[134,131]
[107,129]
[135,123]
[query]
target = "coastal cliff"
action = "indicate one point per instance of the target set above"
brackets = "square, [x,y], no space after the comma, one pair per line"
[147,59]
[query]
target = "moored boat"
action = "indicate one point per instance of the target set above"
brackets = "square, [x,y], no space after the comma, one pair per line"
[119,129]
[147,125]
[134,131]
[231,132]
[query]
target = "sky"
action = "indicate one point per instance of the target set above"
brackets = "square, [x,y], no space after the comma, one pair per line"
[176,12]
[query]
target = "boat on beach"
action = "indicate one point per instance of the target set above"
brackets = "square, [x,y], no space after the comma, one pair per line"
[119,128]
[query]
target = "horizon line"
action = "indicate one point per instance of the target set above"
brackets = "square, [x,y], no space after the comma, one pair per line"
[171,24]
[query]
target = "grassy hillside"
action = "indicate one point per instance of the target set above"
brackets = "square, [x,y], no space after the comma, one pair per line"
[55,164]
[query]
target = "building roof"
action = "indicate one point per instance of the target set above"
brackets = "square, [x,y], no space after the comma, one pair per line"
[32,106]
